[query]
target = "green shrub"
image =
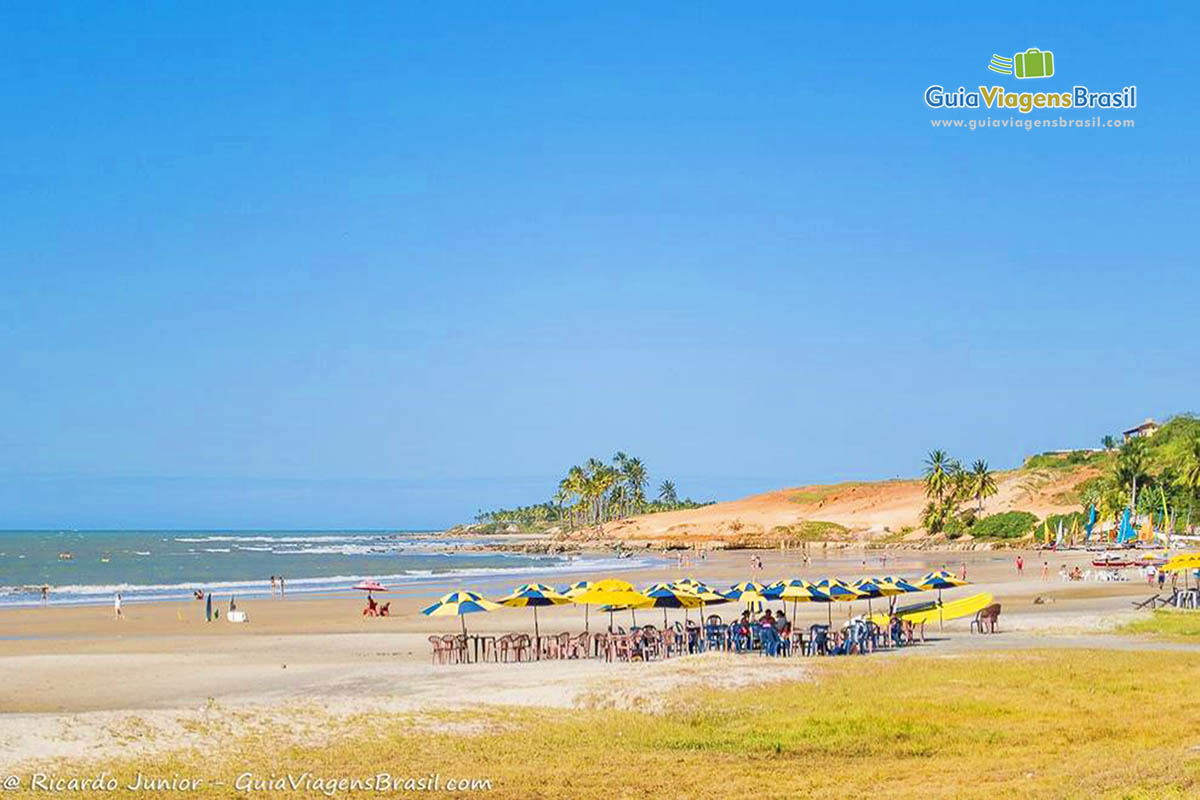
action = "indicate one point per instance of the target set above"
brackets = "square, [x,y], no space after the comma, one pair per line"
[1009,525]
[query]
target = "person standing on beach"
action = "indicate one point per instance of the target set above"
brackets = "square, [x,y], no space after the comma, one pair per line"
[45,594]
[282,592]
[117,613]
[1020,565]
[963,574]
[272,587]
[1045,570]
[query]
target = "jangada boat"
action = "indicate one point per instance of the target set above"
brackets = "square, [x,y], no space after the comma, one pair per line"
[1112,561]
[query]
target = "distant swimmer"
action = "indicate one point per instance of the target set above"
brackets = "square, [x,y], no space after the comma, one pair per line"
[118,614]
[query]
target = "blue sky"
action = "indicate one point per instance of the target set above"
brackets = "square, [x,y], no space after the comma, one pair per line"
[317,267]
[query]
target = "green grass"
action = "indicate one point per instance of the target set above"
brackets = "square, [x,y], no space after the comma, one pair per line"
[815,494]
[1067,461]
[1177,625]
[1046,724]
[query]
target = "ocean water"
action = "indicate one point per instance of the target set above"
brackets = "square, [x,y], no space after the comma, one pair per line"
[162,565]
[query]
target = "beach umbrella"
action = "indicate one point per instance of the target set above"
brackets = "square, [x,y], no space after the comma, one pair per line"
[903,587]
[747,592]
[613,593]
[459,604]
[574,590]
[872,589]
[899,583]
[534,595]
[665,595]
[1183,562]
[707,596]
[941,579]
[799,591]
[838,591]
[369,586]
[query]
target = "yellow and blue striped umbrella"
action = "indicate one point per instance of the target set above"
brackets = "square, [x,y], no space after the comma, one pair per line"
[798,591]
[869,588]
[575,589]
[838,589]
[939,580]
[459,604]
[748,591]
[904,586]
[708,595]
[664,596]
[534,595]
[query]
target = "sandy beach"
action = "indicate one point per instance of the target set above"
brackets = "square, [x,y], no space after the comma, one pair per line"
[76,679]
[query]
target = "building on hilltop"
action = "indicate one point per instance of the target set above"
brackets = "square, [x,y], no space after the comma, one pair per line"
[1145,430]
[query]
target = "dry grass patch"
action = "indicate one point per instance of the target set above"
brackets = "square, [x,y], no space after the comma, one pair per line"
[1046,724]
[1166,624]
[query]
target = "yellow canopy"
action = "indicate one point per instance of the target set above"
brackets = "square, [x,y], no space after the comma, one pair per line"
[612,592]
[1183,561]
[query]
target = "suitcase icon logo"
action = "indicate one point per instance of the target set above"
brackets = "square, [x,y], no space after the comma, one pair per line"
[1033,63]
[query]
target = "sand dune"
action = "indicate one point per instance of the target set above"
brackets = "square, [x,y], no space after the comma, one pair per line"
[867,510]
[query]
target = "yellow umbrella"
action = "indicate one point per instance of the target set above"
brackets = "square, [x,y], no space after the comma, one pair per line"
[1182,561]
[612,592]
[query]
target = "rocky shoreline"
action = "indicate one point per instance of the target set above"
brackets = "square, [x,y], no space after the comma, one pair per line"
[554,541]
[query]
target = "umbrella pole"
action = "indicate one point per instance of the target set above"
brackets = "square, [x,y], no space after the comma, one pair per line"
[664,618]
[941,622]
[829,606]
[586,609]
[537,636]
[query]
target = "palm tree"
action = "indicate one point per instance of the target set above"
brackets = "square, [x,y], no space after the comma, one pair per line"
[574,487]
[938,467]
[666,494]
[1108,442]
[633,471]
[1131,465]
[982,483]
[1189,478]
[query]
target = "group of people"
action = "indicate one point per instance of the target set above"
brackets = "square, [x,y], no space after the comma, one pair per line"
[772,631]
